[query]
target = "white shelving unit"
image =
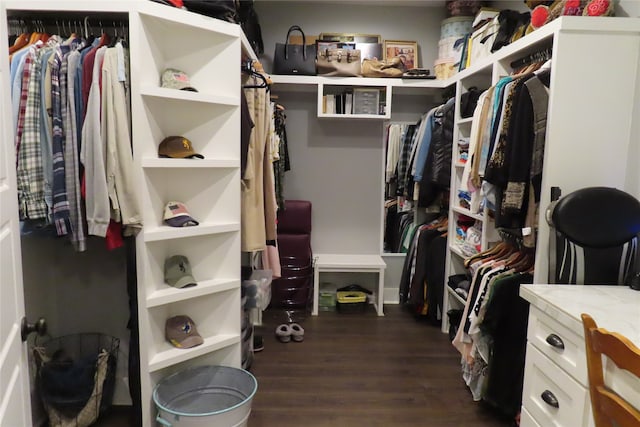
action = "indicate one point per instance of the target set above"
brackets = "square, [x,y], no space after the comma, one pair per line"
[592,126]
[388,86]
[210,51]
[205,49]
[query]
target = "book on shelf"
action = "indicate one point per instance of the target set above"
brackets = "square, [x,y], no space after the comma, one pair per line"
[348,103]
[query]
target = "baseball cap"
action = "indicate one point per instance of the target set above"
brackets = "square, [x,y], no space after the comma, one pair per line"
[177,215]
[181,331]
[177,272]
[177,147]
[176,79]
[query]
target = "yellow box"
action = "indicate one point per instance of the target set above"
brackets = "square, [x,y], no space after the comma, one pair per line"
[353,297]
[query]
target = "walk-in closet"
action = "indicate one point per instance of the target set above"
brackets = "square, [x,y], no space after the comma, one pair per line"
[356,250]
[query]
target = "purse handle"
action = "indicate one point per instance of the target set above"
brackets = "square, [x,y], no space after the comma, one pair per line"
[304,42]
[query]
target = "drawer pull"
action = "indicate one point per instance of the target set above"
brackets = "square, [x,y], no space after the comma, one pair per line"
[550,399]
[555,341]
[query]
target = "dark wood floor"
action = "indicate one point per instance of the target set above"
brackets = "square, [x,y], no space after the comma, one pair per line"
[362,370]
[358,370]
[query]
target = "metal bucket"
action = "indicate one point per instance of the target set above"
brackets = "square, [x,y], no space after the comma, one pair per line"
[212,396]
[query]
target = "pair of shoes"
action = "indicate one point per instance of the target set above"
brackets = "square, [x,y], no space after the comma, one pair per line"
[286,333]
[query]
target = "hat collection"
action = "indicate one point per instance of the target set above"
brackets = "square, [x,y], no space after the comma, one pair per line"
[180,330]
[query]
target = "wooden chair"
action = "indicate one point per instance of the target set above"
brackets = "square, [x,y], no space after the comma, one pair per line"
[609,408]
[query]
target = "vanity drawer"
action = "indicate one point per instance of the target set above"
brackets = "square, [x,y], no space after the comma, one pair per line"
[559,343]
[546,385]
[526,420]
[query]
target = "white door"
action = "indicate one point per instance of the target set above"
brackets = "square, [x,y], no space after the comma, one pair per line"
[15,404]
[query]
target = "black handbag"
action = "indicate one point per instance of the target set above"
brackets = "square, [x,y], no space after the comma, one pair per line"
[227,10]
[295,59]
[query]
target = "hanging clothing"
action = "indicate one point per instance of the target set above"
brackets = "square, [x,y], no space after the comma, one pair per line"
[115,132]
[60,156]
[258,216]
[92,156]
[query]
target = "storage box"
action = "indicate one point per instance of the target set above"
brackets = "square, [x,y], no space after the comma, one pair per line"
[444,68]
[351,301]
[366,100]
[327,301]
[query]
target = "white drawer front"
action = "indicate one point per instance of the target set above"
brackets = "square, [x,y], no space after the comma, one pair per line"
[526,420]
[572,358]
[541,375]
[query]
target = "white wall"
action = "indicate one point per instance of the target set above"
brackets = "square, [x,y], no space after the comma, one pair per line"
[77,293]
[421,24]
[337,164]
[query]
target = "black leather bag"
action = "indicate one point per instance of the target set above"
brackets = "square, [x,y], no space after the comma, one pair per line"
[226,10]
[295,59]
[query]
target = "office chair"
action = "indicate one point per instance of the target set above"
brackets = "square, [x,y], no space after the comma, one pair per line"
[593,237]
[608,407]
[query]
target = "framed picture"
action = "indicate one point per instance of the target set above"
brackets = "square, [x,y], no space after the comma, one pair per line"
[407,51]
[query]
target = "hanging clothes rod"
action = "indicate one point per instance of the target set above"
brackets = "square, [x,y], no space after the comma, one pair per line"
[540,56]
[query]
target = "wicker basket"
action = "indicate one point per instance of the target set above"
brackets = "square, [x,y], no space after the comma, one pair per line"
[75,372]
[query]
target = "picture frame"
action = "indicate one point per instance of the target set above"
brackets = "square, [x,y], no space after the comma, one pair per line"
[406,50]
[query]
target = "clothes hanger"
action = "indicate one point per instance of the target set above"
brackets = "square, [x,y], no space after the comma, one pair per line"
[498,249]
[247,67]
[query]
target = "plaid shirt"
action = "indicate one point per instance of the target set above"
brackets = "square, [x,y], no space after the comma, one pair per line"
[30,177]
[61,215]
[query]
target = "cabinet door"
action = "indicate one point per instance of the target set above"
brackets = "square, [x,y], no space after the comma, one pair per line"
[15,409]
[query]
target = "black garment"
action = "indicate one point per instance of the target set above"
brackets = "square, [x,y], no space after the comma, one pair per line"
[520,138]
[423,261]
[505,322]
[405,277]
[437,169]
[135,387]
[391,228]
[435,278]
[246,125]
[281,165]
[403,160]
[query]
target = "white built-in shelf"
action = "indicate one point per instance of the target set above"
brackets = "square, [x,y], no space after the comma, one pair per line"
[467,212]
[457,297]
[456,250]
[177,19]
[355,116]
[155,162]
[154,234]
[466,120]
[459,165]
[186,95]
[171,355]
[247,50]
[358,81]
[203,288]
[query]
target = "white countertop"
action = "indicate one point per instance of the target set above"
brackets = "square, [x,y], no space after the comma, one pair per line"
[615,308]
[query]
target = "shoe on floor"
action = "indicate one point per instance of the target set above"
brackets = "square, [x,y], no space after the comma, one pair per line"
[283,333]
[297,332]
[258,343]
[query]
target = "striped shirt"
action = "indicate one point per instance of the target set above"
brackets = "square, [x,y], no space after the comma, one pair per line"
[61,215]
[30,176]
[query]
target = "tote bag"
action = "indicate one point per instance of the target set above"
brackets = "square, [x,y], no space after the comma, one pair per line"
[295,59]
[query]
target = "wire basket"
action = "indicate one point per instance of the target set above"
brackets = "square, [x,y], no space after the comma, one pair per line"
[75,376]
